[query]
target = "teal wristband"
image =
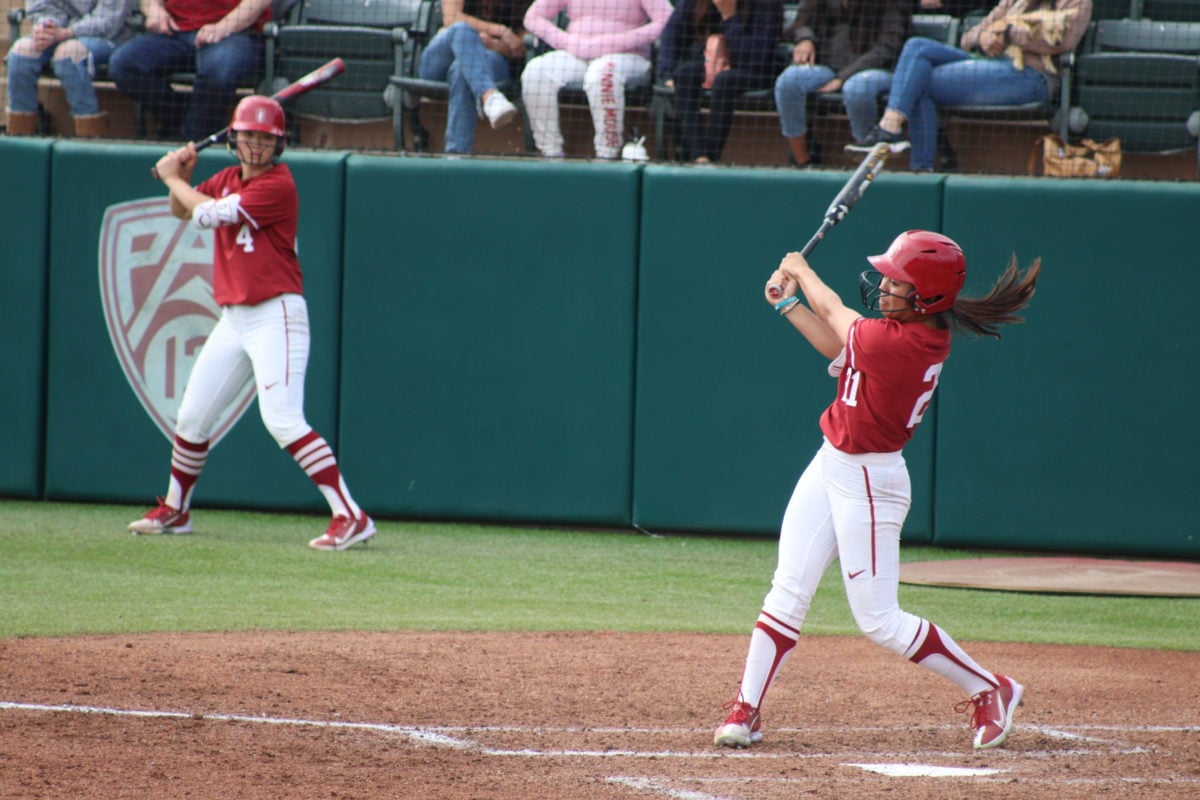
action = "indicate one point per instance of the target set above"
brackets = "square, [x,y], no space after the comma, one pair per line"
[786,303]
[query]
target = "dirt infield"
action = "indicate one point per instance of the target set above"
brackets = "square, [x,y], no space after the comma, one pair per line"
[571,717]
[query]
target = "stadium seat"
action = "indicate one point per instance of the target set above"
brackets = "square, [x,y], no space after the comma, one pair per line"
[1171,10]
[1116,9]
[1140,82]
[369,35]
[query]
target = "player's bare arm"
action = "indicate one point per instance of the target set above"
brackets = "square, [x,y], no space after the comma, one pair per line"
[175,171]
[823,301]
[818,334]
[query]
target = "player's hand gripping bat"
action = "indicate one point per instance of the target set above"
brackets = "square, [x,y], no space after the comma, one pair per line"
[313,79]
[850,194]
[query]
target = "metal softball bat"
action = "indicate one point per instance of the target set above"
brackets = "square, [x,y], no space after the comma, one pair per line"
[846,199]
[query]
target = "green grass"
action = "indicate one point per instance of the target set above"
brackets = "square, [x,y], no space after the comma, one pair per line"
[71,569]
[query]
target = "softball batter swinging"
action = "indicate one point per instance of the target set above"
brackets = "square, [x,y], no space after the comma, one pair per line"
[263,333]
[851,501]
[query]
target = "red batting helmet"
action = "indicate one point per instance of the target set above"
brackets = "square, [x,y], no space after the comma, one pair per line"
[934,264]
[259,113]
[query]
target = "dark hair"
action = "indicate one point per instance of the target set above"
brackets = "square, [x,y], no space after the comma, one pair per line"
[983,316]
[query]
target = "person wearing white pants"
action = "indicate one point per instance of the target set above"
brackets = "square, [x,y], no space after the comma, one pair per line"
[851,501]
[606,45]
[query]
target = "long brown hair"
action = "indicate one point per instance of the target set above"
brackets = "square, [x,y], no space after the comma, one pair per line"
[983,316]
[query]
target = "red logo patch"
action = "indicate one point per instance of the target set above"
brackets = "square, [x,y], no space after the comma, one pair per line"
[156,289]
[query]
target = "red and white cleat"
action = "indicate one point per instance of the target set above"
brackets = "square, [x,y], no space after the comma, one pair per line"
[742,728]
[343,532]
[992,717]
[162,519]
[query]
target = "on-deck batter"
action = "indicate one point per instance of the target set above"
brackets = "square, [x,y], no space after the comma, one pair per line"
[851,501]
[263,332]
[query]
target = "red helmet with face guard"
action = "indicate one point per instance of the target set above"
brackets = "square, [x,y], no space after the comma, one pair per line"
[933,263]
[259,113]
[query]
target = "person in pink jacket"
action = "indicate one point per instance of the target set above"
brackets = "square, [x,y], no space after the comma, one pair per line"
[605,45]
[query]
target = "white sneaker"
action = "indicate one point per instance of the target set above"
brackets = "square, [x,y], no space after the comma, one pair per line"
[498,109]
[635,150]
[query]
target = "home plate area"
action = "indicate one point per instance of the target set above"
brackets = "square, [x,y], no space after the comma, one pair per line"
[571,716]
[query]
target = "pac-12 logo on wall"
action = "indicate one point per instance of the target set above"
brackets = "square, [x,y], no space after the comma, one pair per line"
[156,287]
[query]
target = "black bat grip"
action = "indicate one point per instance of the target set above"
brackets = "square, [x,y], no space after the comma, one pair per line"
[207,141]
[775,291]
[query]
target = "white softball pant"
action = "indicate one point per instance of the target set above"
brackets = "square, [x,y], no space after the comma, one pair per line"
[268,344]
[603,80]
[851,507]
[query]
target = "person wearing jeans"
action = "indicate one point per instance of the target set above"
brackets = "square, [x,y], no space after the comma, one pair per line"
[218,40]
[931,74]
[74,37]
[474,54]
[839,46]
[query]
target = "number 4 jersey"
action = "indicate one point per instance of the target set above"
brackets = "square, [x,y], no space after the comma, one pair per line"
[255,237]
[888,372]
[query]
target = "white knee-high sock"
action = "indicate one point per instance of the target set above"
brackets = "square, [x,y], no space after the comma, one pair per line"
[771,643]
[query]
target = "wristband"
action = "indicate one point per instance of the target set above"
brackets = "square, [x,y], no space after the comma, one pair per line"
[787,304]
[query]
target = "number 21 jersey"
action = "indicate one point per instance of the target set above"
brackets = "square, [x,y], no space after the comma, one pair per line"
[889,373]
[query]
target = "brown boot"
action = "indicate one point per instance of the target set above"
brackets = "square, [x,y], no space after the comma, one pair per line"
[22,123]
[92,126]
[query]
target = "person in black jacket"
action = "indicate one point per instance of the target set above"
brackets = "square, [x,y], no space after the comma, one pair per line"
[728,46]
[840,45]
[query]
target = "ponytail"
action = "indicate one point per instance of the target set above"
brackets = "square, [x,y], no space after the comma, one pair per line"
[983,316]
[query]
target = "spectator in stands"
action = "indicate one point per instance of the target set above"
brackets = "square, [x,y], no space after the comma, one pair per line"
[1018,67]
[217,39]
[74,37]
[606,44]
[480,44]
[728,46]
[847,46]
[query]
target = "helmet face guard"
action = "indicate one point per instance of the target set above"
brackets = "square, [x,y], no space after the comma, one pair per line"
[259,113]
[934,264]
[870,286]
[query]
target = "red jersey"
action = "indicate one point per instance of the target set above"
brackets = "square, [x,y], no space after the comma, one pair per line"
[254,258]
[190,15]
[890,371]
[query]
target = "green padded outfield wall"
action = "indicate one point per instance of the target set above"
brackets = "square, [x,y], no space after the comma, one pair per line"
[728,394]
[1078,431]
[489,338]
[101,444]
[25,164]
